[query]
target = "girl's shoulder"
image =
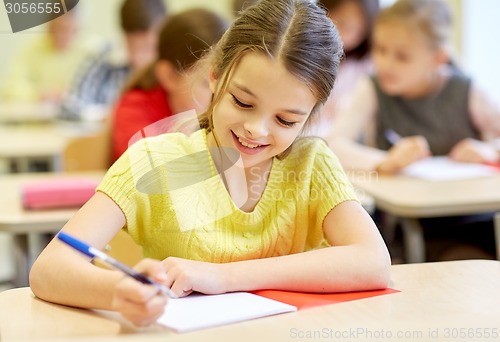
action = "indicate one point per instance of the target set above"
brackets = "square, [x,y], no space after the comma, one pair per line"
[310,151]
[308,146]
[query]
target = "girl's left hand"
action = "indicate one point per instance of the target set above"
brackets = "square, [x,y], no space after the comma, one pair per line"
[185,276]
[473,151]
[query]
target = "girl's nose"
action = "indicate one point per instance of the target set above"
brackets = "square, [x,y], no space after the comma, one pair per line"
[256,127]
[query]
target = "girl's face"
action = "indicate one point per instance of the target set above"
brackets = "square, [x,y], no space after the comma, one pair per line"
[262,110]
[350,21]
[405,63]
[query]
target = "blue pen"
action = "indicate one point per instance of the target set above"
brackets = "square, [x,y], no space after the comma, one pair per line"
[95,253]
[391,136]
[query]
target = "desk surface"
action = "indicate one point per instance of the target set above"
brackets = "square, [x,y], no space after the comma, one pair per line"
[436,300]
[40,140]
[411,197]
[15,219]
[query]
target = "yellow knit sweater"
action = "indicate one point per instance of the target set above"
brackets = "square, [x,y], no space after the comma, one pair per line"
[176,205]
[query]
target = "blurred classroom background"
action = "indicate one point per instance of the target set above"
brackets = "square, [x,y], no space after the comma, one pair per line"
[475,26]
[474,41]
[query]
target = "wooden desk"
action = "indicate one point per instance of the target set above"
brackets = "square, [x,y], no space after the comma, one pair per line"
[19,222]
[45,141]
[411,198]
[19,113]
[437,302]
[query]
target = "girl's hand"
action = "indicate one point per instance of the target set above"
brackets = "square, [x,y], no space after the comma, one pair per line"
[139,303]
[407,151]
[473,151]
[185,276]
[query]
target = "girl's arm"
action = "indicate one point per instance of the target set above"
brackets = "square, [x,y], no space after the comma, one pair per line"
[359,119]
[485,115]
[64,276]
[358,260]
[351,123]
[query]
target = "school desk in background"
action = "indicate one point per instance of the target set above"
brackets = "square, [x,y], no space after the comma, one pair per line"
[410,198]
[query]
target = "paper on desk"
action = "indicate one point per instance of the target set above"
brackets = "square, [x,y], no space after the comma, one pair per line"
[199,311]
[305,300]
[443,168]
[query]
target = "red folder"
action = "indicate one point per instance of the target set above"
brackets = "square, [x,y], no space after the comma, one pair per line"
[303,300]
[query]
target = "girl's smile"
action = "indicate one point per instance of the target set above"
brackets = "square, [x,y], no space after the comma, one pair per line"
[247,146]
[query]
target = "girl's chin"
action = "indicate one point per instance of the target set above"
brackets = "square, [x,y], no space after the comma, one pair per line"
[390,90]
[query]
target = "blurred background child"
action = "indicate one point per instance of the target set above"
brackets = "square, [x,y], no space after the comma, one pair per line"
[102,77]
[166,87]
[416,93]
[430,108]
[42,70]
[354,20]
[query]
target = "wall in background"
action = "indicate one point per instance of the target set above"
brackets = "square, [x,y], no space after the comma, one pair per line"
[480,48]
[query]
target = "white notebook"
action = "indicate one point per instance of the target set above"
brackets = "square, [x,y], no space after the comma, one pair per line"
[443,168]
[199,311]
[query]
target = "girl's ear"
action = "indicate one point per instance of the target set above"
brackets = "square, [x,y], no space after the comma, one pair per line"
[212,80]
[166,75]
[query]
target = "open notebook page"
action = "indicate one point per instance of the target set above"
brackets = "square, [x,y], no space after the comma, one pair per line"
[443,168]
[199,311]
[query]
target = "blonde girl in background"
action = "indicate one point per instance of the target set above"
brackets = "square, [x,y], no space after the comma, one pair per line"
[299,228]
[419,104]
[417,94]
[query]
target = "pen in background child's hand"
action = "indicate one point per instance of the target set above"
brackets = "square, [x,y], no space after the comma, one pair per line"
[391,136]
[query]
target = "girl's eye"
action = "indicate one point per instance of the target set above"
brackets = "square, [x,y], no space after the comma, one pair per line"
[240,104]
[285,123]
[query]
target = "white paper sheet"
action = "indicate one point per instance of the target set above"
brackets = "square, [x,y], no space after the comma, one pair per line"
[443,168]
[199,311]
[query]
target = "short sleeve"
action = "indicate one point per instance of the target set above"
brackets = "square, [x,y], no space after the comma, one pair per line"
[330,185]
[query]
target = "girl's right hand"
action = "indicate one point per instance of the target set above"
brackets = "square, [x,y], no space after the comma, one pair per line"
[405,152]
[140,303]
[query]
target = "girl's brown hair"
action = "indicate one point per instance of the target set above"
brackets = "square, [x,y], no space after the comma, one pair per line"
[296,32]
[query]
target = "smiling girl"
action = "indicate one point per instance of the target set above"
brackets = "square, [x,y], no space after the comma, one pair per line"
[269,74]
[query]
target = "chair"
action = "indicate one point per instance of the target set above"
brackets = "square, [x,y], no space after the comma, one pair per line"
[123,248]
[88,153]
